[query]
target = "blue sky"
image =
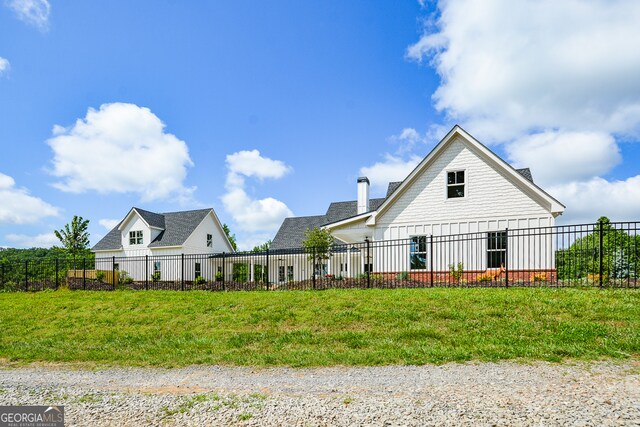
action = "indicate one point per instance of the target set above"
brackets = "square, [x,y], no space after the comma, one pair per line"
[267,109]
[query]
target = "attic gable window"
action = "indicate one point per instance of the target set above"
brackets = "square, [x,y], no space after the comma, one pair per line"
[455,184]
[135,237]
[209,240]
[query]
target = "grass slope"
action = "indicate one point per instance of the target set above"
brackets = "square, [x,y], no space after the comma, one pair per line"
[335,327]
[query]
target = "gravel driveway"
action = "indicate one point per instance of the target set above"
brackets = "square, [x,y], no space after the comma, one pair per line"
[541,394]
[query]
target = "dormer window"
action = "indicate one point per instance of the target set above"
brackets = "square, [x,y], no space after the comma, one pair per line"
[455,184]
[209,240]
[135,237]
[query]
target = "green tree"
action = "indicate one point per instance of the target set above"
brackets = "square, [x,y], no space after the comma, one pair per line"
[263,247]
[231,237]
[318,244]
[74,236]
[620,254]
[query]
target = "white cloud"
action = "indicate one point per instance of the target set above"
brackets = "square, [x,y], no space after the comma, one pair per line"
[109,224]
[19,207]
[508,70]
[39,241]
[257,217]
[120,148]
[406,140]
[33,12]
[587,201]
[252,164]
[565,156]
[392,168]
[4,65]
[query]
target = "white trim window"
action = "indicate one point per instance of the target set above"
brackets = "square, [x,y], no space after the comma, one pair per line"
[418,253]
[135,237]
[455,184]
[198,270]
[209,240]
[496,249]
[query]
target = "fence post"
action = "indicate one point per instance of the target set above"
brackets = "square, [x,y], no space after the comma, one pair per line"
[57,272]
[431,260]
[113,272]
[182,271]
[601,233]
[223,271]
[506,257]
[26,275]
[367,265]
[84,274]
[267,268]
[146,272]
[313,268]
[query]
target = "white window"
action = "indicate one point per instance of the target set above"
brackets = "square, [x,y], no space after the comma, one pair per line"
[455,184]
[209,240]
[290,273]
[496,249]
[198,270]
[135,237]
[281,273]
[418,255]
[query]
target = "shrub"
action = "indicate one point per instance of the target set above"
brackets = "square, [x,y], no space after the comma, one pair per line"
[219,276]
[125,279]
[199,281]
[484,278]
[456,271]
[100,275]
[403,276]
[155,276]
[539,277]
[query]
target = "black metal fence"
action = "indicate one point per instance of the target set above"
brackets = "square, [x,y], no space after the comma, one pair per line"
[600,254]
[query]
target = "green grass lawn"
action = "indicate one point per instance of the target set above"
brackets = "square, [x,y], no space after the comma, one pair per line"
[319,328]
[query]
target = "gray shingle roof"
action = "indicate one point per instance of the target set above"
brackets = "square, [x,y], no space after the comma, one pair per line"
[526,172]
[340,210]
[111,241]
[151,218]
[177,227]
[392,187]
[291,232]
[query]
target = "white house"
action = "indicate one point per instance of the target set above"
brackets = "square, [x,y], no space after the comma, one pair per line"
[148,234]
[460,187]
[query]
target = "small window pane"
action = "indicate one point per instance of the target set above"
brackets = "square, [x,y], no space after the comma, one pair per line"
[454,191]
[460,177]
[451,178]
